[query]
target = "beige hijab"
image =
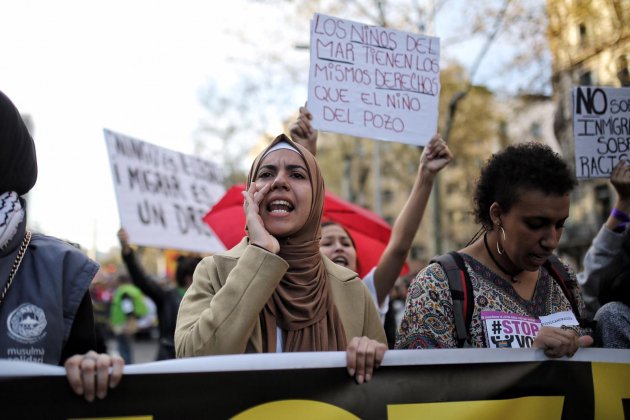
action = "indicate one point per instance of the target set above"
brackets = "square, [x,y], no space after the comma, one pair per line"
[302,304]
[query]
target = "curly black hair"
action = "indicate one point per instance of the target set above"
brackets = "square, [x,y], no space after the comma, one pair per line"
[519,167]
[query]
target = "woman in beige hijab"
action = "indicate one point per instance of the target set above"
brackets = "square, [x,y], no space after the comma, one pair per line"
[274,292]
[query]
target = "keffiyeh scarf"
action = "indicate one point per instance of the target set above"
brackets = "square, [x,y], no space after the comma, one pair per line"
[11,215]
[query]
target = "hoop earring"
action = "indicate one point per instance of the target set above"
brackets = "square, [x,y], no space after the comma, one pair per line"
[503,235]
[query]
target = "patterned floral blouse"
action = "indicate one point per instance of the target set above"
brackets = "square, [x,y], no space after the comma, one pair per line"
[428,318]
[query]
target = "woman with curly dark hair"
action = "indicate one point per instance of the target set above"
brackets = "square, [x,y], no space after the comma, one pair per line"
[521,202]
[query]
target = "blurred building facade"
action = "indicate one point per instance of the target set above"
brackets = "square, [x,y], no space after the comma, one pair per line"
[590,45]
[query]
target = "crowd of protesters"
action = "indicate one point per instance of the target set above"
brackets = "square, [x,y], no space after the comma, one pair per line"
[291,284]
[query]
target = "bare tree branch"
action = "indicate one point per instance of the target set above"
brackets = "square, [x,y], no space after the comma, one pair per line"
[459,96]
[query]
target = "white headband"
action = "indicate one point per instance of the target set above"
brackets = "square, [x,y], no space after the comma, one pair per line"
[281,145]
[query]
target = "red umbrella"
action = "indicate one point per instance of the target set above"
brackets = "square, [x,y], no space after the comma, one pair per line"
[369,231]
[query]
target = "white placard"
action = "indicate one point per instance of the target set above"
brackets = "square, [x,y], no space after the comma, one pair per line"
[601,129]
[374,82]
[559,319]
[163,194]
[507,330]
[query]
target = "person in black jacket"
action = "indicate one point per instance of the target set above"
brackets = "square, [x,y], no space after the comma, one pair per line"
[166,299]
[45,306]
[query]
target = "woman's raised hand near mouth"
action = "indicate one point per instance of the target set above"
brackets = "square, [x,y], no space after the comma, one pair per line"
[258,234]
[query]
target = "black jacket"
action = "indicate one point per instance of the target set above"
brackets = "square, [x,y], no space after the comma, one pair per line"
[166,301]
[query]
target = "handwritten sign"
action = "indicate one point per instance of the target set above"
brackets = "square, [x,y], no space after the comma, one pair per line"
[163,195]
[601,128]
[369,81]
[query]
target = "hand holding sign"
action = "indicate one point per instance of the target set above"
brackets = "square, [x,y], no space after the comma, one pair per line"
[302,132]
[620,179]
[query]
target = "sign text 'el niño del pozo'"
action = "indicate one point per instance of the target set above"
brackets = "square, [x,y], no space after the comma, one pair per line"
[163,195]
[369,81]
[601,129]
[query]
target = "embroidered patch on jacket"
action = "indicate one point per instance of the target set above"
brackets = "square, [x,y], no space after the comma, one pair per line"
[27,323]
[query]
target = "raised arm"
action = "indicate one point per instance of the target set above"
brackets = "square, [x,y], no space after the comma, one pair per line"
[620,180]
[435,156]
[606,257]
[139,277]
[302,132]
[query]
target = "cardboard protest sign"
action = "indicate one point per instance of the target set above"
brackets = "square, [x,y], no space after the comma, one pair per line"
[163,195]
[369,81]
[601,129]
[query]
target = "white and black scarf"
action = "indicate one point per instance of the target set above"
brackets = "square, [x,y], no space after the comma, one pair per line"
[11,215]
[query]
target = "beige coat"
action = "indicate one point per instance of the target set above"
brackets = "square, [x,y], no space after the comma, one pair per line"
[219,313]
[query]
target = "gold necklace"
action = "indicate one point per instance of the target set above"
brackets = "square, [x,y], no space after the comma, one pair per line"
[16,264]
